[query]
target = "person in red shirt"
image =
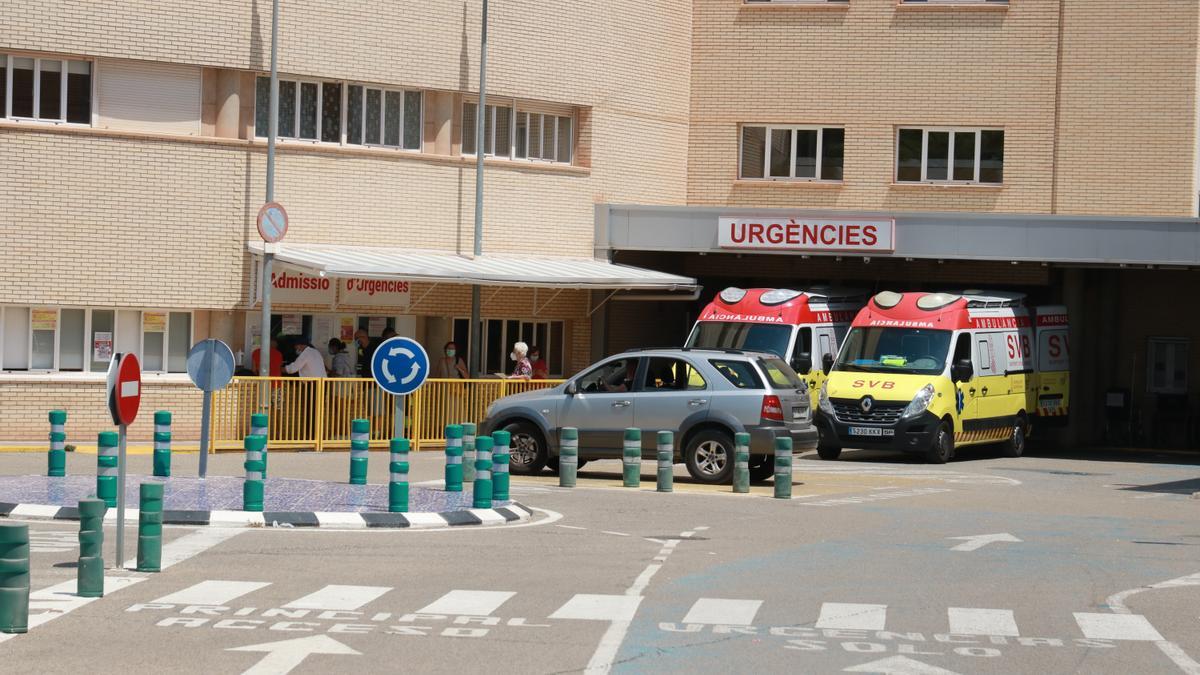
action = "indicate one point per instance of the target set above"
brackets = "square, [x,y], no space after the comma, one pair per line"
[276,360]
[541,370]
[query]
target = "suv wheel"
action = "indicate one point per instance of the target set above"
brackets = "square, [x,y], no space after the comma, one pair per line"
[762,467]
[709,456]
[527,452]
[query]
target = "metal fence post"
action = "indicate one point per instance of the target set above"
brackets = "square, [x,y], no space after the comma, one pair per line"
[568,456]
[666,461]
[56,462]
[632,458]
[783,468]
[741,463]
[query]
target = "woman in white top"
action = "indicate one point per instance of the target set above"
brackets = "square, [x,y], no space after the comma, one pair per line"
[340,364]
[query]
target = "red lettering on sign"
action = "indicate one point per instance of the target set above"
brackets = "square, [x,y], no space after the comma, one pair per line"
[852,235]
[870,236]
[774,233]
[755,233]
[1055,347]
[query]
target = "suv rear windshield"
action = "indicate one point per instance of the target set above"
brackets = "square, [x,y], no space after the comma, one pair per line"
[739,373]
[780,375]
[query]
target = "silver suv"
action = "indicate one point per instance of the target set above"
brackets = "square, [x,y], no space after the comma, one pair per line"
[705,396]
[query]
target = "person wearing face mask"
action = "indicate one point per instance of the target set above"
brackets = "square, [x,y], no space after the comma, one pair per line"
[451,365]
[541,371]
[523,370]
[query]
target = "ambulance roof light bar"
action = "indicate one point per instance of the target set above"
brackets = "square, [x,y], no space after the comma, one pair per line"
[732,295]
[778,296]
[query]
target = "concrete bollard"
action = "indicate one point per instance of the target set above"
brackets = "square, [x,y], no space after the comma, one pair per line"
[252,487]
[56,462]
[568,456]
[483,472]
[398,476]
[258,427]
[632,458]
[150,517]
[454,458]
[14,578]
[360,446]
[162,444]
[89,581]
[468,452]
[783,468]
[741,463]
[666,461]
[106,468]
[500,454]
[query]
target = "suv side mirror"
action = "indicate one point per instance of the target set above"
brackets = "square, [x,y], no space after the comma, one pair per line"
[802,363]
[572,389]
[827,363]
[961,371]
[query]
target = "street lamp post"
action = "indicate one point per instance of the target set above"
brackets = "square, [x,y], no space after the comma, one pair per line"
[264,340]
[480,115]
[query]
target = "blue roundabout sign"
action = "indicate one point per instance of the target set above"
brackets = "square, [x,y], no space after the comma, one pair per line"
[400,365]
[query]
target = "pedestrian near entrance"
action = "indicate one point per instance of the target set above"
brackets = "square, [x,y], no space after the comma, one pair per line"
[339,359]
[364,350]
[308,362]
[451,366]
[541,371]
[523,370]
[276,367]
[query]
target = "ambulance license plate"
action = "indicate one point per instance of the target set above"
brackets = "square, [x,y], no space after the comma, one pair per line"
[871,431]
[1050,403]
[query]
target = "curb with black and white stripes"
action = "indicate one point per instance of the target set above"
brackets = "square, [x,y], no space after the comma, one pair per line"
[502,515]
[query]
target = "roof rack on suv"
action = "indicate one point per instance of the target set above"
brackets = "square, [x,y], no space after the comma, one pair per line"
[723,350]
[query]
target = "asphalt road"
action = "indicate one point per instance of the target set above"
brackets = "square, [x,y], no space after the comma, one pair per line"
[877,565]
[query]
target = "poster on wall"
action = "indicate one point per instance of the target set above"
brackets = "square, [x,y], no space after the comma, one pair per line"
[322,328]
[44,319]
[154,322]
[347,329]
[102,346]
[292,325]
[375,325]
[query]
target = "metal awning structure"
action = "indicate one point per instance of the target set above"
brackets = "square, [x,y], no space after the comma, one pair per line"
[372,262]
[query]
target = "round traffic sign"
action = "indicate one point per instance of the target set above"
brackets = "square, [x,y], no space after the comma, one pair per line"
[210,365]
[400,365]
[272,222]
[125,394]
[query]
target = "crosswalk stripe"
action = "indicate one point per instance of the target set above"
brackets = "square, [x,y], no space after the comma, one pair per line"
[724,612]
[599,607]
[975,621]
[212,592]
[467,603]
[852,616]
[1133,627]
[337,597]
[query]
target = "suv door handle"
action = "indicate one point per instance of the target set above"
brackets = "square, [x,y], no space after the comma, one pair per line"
[698,401]
[620,404]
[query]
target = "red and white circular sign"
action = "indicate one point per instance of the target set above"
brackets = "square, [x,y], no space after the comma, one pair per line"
[126,395]
[272,222]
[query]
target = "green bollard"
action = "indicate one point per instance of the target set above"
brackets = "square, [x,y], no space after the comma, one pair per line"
[468,463]
[106,468]
[741,463]
[360,445]
[568,456]
[252,487]
[258,427]
[454,458]
[162,444]
[150,517]
[90,576]
[632,458]
[398,476]
[483,472]
[500,452]
[14,578]
[56,463]
[666,461]
[783,468]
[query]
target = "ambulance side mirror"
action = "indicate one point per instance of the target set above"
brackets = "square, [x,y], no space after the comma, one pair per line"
[961,371]
[827,363]
[802,363]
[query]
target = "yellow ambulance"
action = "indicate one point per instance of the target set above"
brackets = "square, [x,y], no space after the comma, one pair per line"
[927,372]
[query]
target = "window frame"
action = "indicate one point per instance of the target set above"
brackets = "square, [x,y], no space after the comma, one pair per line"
[527,112]
[506,341]
[87,336]
[952,132]
[1168,388]
[344,117]
[65,65]
[795,136]
[491,129]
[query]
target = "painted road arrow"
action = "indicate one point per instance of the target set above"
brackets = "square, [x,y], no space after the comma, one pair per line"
[899,665]
[978,541]
[284,655]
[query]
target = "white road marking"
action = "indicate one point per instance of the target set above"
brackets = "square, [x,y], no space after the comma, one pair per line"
[852,616]
[700,528]
[488,516]
[52,541]
[419,520]
[899,665]
[571,527]
[1128,627]
[975,542]
[974,621]
[342,520]
[467,603]
[285,655]
[211,592]
[616,534]
[1171,650]
[590,607]
[716,611]
[339,597]
[34,511]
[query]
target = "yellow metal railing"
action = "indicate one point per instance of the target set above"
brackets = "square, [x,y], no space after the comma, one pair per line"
[315,413]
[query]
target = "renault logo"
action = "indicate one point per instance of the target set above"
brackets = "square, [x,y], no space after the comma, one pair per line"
[867,403]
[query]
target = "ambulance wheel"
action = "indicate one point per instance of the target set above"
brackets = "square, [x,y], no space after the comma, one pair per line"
[1015,445]
[829,452]
[943,446]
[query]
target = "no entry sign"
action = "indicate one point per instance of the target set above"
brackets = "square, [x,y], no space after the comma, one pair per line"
[124,388]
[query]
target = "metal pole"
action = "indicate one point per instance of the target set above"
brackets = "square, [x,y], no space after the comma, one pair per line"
[121,497]
[480,116]
[205,414]
[264,340]
[398,423]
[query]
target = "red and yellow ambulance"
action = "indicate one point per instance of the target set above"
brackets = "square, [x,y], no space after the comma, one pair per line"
[803,327]
[928,372]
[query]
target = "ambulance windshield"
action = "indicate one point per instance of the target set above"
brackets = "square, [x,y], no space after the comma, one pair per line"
[752,337]
[914,351]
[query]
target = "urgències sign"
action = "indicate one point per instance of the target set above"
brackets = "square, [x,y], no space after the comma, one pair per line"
[819,235]
[290,287]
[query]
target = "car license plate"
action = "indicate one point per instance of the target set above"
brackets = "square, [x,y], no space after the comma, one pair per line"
[797,413]
[871,431]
